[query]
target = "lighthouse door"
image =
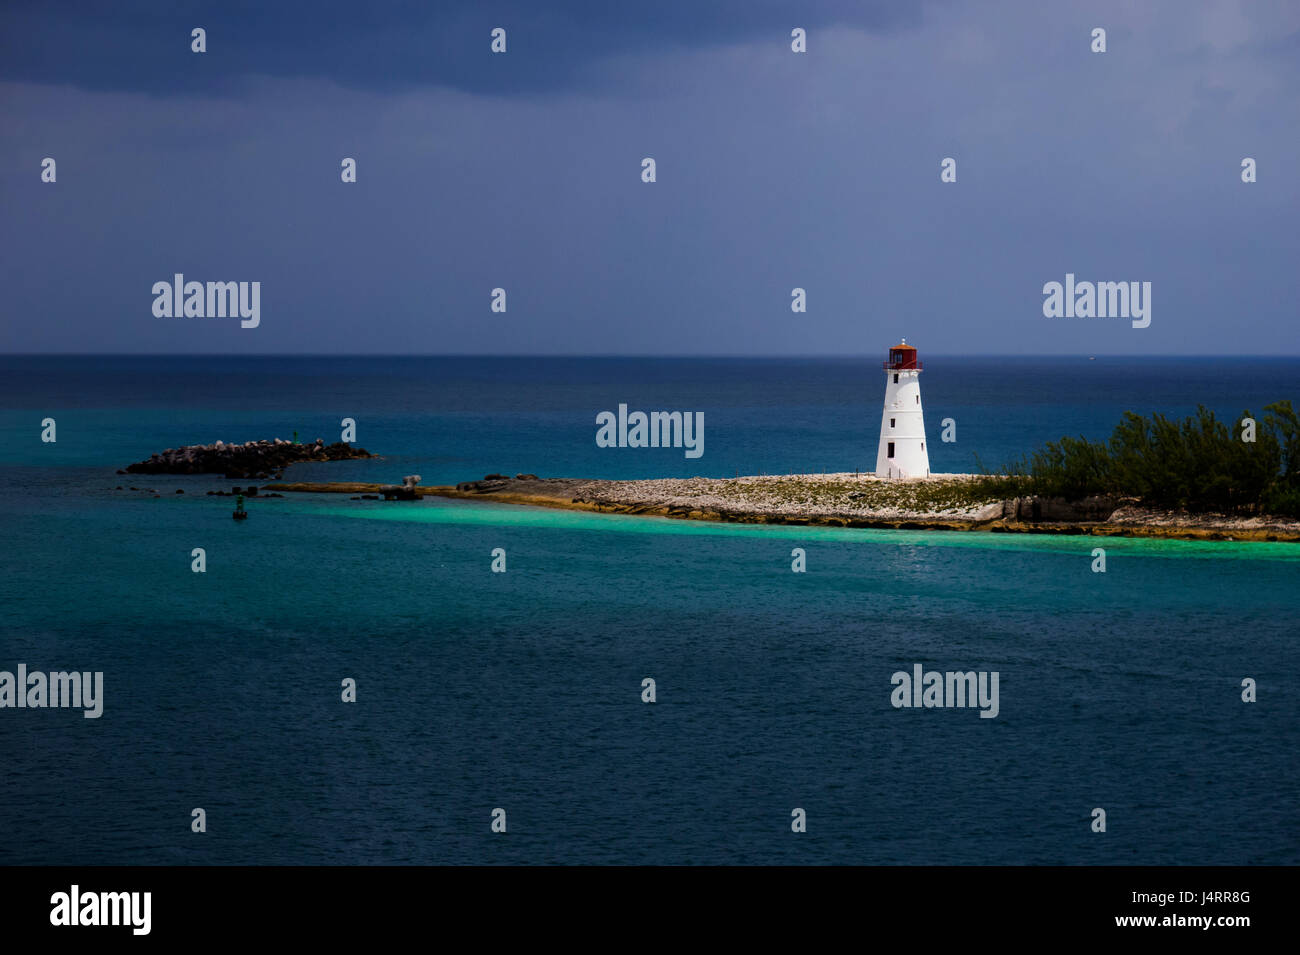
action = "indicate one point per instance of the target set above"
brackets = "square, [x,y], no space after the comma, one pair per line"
[890,452]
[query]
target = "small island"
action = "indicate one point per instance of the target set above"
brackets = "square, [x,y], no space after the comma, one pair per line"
[252,459]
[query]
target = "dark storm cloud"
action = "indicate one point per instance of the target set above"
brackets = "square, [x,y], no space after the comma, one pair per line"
[143,46]
[776,170]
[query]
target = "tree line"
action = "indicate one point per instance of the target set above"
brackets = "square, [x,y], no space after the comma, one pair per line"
[1250,466]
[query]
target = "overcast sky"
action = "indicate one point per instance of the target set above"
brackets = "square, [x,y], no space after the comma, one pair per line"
[775,170]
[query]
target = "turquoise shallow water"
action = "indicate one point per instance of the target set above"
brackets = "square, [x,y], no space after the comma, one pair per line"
[522,690]
[523,516]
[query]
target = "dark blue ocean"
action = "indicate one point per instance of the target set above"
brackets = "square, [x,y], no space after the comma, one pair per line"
[522,690]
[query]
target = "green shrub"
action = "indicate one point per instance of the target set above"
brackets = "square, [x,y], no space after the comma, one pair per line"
[1199,463]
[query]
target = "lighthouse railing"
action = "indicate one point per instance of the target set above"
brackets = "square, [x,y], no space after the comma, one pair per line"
[902,366]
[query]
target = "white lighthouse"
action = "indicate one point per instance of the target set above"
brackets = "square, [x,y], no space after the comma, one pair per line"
[902,451]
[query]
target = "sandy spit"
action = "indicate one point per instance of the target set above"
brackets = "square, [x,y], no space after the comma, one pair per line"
[940,502]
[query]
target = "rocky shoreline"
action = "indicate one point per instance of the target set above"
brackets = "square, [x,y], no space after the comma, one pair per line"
[252,459]
[941,502]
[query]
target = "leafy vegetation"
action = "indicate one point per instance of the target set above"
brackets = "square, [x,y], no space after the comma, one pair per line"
[1199,464]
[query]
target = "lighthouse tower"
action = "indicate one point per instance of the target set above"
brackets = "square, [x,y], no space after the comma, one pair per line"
[902,451]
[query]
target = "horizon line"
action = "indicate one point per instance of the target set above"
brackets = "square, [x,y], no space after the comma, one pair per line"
[869,356]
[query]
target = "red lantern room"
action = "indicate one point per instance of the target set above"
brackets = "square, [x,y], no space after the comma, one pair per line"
[902,356]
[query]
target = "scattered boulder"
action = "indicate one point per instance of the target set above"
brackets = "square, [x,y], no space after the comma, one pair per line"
[525,477]
[1055,510]
[489,484]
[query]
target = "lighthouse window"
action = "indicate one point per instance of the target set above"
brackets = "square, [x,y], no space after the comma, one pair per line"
[895,377]
[890,452]
[891,422]
[918,399]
